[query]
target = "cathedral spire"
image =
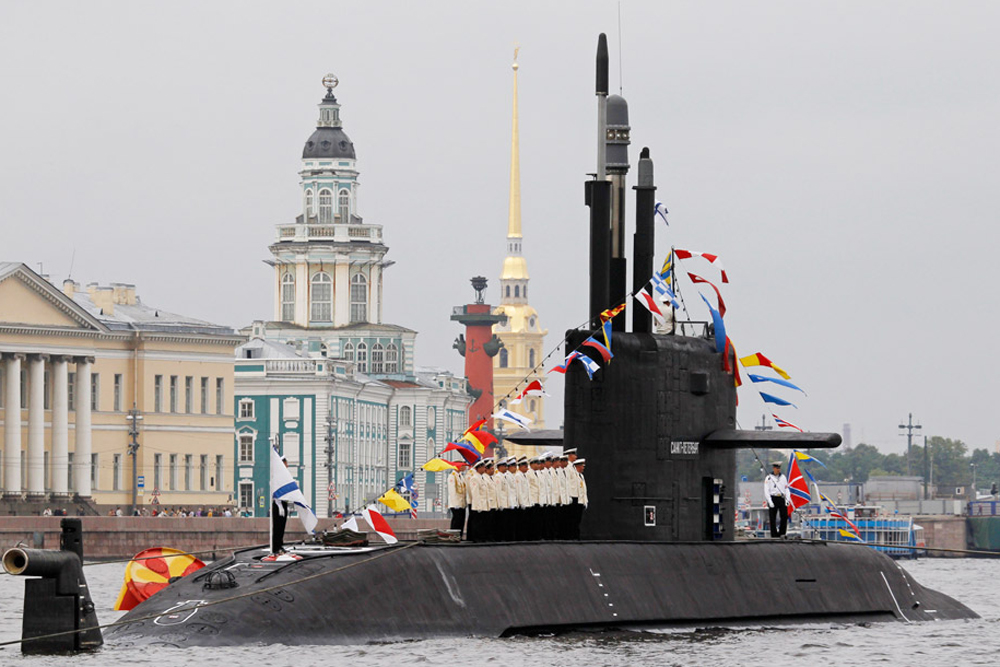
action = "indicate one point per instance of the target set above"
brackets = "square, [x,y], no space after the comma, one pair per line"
[514,219]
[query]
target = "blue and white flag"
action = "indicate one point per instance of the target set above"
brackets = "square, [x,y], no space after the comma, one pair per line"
[513,417]
[589,364]
[783,383]
[661,210]
[405,483]
[284,487]
[663,289]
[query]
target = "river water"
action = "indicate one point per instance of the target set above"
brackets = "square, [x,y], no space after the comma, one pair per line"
[946,643]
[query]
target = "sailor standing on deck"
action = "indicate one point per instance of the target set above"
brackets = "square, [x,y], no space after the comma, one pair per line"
[548,498]
[457,498]
[523,501]
[478,504]
[581,497]
[779,499]
[501,529]
[493,501]
[534,500]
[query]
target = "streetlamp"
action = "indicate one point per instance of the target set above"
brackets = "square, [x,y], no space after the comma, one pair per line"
[134,418]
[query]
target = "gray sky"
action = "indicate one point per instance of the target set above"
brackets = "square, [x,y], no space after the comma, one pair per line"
[840,159]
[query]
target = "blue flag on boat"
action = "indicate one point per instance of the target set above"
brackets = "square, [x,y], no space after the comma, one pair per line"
[720,330]
[773,399]
[783,383]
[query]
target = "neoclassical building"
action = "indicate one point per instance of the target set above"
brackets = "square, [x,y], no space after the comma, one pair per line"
[335,387]
[519,361]
[80,367]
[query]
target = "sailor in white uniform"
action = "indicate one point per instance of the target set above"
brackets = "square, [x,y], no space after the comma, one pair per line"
[779,500]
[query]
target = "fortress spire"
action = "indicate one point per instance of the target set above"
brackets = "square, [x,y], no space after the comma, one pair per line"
[514,214]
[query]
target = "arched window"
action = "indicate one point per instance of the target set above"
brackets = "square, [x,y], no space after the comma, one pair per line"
[344,205]
[517,291]
[391,359]
[508,290]
[362,358]
[322,298]
[531,357]
[325,206]
[348,352]
[378,357]
[359,298]
[405,416]
[309,204]
[287,297]
[503,357]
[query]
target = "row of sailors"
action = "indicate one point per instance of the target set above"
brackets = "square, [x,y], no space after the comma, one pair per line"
[511,499]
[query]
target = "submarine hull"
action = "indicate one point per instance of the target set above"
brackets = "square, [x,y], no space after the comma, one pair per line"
[418,591]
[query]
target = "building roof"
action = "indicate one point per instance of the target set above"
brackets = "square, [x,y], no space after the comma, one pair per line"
[260,348]
[328,142]
[147,318]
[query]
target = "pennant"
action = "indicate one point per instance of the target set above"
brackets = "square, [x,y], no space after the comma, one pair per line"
[713,258]
[785,424]
[774,399]
[801,456]
[480,439]
[661,210]
[467,450]
[406,484]
[849,535]
[668,265]
[663,289]
[737,380]
[798,488]
[837,514]
[379,524]
[394,501]
[513,417]
[699,279]
[534,388]
[284,487]
[759,359]
[588,364]
[351,524]
[439,465]
[475,427]
[783,383]
[561,368]
[606,330]
[603,351]
[644,297]
[718,325]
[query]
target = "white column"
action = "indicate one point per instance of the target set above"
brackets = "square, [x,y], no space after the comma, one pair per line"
[342,292]
[302,290]
[81,455]
[36,425]
[60,426]
[12,425]
[375,314]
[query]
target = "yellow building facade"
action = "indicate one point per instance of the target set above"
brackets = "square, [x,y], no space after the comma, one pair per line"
[520,360]
[78,368]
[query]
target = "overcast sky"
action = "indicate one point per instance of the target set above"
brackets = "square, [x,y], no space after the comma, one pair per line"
[840,158]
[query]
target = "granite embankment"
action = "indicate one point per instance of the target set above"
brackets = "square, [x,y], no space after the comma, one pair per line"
[106,537]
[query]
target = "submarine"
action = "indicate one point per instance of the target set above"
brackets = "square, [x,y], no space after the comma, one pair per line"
[657,547]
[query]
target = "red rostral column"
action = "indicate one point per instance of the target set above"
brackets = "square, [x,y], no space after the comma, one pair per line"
[478,345]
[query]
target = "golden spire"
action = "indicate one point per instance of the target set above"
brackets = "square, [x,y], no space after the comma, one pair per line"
[514,219]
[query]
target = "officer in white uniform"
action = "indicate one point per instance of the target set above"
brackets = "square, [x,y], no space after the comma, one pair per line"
[779,500]
[457,498]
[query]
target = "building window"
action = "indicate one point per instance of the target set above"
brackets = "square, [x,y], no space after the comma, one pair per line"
[158,393]
[405,449]
[189,394]
[46,391]
[391,358]
[173,393]
[405,416]
[290,448]
[116,479]
[173,472]
[95,470]
[290,408]
[219,468]
[69,472]
[287,297]
[246,408]
[219,403]
[246,448]
[503,357]
[431,418]
[531,358]
[378,358]
[95,391]
[325,206]
[204,473]
[508,290]
[322,298]
[157,472]
[118,392]
[188,463]
[517,291]
[204,396]
[532,405]
[344,205]
[359,298]
[246,495]
[362,358]
[309,204]
[348,351]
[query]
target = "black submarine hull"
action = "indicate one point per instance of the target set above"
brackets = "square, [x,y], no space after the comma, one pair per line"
[418,591]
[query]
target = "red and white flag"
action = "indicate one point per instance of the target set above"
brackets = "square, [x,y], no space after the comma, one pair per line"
[647,300]
[533,389]
[714,259]
[379,524]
